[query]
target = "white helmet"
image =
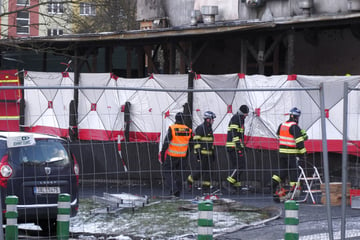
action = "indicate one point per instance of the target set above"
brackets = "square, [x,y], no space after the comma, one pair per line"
[209,115]
[295,111]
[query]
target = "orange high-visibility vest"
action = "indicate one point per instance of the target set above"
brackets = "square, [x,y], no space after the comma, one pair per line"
[179,143]
[286,140]
[285,137]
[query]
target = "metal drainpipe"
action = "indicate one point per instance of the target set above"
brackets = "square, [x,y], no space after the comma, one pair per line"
[188,107]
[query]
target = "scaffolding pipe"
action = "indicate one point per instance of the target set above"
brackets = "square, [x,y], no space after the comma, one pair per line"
[344,161]
[326,160]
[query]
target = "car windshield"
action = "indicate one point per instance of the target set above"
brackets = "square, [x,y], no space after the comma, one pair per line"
[43,152]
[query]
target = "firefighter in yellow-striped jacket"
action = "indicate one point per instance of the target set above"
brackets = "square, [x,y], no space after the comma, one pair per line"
[177,146]
[236,148]
[203,152]
[291,148]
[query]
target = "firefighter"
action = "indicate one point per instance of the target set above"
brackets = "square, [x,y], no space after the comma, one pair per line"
[235,148]
[291,148]
[176,145]
[203,152]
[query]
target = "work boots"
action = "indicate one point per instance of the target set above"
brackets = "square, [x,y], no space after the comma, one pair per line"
[286,193]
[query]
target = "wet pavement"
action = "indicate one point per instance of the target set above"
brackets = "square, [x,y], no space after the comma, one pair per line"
[313,223]
[313,218]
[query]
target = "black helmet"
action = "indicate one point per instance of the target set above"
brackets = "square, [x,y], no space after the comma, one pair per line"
[244,109]
[295,111]
[179,117]
[209,115]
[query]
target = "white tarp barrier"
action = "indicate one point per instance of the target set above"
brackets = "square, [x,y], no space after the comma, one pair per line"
[270,108]
[124,96]
[153,111]
[47,110]
[334,93]
[100,115]
[98,109]
[218,102]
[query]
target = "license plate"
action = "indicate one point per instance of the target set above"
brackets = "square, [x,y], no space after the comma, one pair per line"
[47,190]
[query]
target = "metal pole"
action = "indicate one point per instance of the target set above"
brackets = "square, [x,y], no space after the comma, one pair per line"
[205,220]
[344,160]
[11,229]
[1,218]
[291,220]
[63,217]
[326,160]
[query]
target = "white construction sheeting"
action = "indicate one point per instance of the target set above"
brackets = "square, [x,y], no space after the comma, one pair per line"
[153,111]
[47,110]
[101,116]
[270,108]
[98,109]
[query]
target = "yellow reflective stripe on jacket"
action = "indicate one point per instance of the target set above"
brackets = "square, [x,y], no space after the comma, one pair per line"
[203,143]
[230,144]
[197,137]
[233,126]
[300,139]
[202,138]
[207,152]
[292,150]
[206,139]
[236,139]
[236,127]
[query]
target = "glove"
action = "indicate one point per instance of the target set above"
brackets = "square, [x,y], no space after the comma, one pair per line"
[239,152]
[304,134]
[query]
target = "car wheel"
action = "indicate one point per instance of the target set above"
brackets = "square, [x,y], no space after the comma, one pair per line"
[48,226]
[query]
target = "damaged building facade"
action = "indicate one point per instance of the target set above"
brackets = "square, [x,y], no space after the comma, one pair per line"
[271,36]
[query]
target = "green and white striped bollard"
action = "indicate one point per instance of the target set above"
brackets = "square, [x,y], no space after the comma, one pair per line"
[291,220]
[11,229]
[205,220]
[63,217]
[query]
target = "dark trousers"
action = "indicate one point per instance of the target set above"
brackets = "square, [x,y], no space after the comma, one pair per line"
[237,162]
[288,169]
[203,168]
[173,174]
